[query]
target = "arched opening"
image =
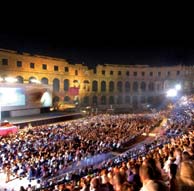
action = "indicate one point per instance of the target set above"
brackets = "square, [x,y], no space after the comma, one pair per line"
[111,100]
[56,85]
[127,99]
[44,81]
[111,86]
[31,80]
[120,86]
[103,86]
[143,86]
[119,100]
[94,86]
[20,79]
[135,86]
[86,100]
[151,86]
[94,100]
[66,85]
[127,87]
[103,100]
[135,101]
[66,99]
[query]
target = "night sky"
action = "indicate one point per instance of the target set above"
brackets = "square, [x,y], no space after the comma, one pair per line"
[96,42]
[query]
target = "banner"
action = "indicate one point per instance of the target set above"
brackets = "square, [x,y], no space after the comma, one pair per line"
[73,91]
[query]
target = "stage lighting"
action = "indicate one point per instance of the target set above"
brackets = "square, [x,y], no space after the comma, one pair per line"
[11,80]
[171,93]
[178,87]
[35,81]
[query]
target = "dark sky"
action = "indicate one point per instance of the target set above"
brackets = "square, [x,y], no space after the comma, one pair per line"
[98,41]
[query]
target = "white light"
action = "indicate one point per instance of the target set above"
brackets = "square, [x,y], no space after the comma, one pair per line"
[35,81]
[1,79]
[10,79]
[178,87]
[171,93]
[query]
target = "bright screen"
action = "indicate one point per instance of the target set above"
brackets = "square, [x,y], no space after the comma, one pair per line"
[12,96]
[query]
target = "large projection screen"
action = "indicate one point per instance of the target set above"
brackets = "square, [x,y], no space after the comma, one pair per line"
[24,96]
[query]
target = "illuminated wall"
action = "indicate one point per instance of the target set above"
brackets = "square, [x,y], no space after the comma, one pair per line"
[118,85]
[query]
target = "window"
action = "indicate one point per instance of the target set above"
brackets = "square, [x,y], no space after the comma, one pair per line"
[44,80]
[119,100]
[94,71]
[159,74]
[143,86]
[66,85]
[103,86]
[178,73]
[19,63]
[111,100]
[119,73]
[127,99]
[66,69]
[56,85]
[135,86]
[4,61]
[32,65]
[103,100]
[143,73]
[76,72]
[94,86]
[95,100]
[151,73]
[134,73]
[168,74]
[127,73]
[103,72]
[44,66]
[111,86]
[127,87]
[119,86]
[56,68]
[111,72]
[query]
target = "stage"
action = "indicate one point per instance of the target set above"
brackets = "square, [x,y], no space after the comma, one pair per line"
[41,119]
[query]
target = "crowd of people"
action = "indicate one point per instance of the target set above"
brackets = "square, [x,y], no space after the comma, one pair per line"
[45,152]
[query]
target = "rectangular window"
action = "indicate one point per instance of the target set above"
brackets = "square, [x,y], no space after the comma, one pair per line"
[168,74]
[127,73]
[143,73]
[19,63]
[44,66]
[4,61]
[151,73]
[31,65]
[94,70]
[178,73]
[119,73]
[56,68]
[134,73]
[66,69]
[103,72]
[159,73]
[76,72]
[111,72]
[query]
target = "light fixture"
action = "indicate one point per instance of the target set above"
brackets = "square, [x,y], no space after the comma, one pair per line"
[171,93]
[11,79]
[35,81]
[178,87]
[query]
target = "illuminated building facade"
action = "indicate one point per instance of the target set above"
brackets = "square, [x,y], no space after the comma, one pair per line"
[118,85]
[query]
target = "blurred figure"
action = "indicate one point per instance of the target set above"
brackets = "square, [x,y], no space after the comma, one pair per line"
[149,181]
[186,176]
